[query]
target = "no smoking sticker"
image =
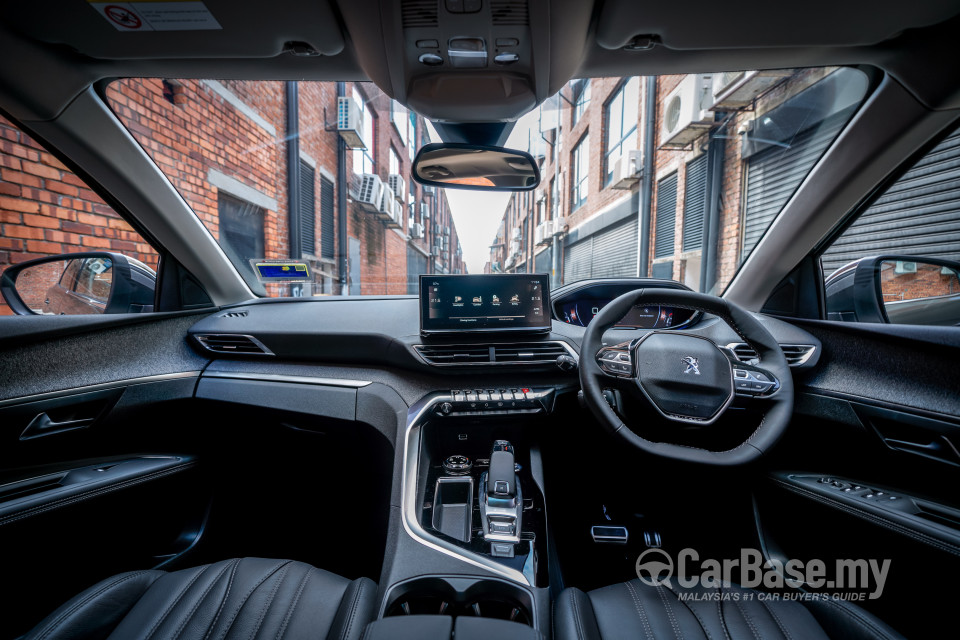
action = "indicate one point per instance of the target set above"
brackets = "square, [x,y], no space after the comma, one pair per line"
[148,15]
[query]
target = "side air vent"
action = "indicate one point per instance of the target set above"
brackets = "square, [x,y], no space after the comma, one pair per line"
[796,354]
[509,12]
[419,13]
[235,314]
[529,352]
[535,353]
[230,343]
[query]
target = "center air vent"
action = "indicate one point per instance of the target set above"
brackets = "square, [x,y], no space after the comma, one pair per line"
[230,343]
[234,314]
[419,13]
[509,12]
[796,354]
[535,353]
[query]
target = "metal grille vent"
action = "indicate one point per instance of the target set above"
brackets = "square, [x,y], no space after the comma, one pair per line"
[231,343]
[535,353]
[796,354]
[419,13]
[235,314]
[509,12]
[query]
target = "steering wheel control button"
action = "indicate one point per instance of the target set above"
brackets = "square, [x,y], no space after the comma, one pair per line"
[457,465]
[686,377]
[615,361]
[749,382]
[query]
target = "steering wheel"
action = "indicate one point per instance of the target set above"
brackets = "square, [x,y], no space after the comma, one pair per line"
[687,378]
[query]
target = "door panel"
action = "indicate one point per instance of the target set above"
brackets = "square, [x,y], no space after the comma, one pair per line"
[100,470]
[869,467]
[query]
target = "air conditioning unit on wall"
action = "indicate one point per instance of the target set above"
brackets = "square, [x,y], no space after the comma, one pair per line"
[388,209]
[736,89]
[626,170]
[416,230]
[396,183]
[685,112]
[370,193]
[558,226]
[350,122]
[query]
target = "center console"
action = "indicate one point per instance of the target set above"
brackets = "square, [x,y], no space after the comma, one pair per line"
[472,501]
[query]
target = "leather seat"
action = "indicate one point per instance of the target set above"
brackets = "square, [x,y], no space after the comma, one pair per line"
[634,610]
[246,598]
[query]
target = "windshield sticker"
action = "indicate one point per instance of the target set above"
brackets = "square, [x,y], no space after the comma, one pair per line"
[147,15]
[281,270]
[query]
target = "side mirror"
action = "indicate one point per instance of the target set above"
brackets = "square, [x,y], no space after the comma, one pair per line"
[79,284]
[896,289]
[470,166]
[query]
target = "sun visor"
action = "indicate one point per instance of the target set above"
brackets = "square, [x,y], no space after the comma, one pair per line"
[698,24]
[187,29]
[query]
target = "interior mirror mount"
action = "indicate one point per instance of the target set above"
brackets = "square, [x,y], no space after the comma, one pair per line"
[454,165]
[896,289]
[84,283]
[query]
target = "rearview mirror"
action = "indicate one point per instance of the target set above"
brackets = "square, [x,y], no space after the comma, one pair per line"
[79,284]
[897,290]
[469,166]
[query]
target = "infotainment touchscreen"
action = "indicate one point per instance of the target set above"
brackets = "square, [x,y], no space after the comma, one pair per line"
[488,302]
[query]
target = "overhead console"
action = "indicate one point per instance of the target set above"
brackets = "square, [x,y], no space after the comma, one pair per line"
[469,60]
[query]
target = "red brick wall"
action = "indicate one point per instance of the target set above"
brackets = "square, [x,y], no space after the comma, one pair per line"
[45,209]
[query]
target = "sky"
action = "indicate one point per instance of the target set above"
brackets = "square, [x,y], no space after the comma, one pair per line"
[477,213]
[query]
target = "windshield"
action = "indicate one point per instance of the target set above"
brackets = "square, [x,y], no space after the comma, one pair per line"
[319,173]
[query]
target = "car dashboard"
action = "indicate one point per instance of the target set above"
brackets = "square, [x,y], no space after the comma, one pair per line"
[577,305]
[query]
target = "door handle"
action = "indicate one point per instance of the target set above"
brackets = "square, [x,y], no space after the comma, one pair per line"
[43,425]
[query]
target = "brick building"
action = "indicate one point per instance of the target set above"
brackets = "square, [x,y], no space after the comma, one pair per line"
[734,158]
[226,147]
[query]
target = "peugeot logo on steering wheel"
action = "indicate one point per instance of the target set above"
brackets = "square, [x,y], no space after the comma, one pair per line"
[693,365]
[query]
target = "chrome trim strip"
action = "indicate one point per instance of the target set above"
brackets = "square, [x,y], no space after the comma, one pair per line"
[203,337]
[416,349]
[408,497]
[276,377]
[810,350]
[99,387]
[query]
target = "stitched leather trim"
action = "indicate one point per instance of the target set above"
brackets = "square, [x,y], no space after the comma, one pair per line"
[79,605]
[92,494]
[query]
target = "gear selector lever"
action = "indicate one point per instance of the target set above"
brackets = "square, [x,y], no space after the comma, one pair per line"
[502,478]
[501,505]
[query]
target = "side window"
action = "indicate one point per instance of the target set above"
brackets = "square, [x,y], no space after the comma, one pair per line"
[48,213]
[899,262]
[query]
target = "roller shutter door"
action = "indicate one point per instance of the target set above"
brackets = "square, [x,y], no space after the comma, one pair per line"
[694,203]
[610,253]
[416,265]
[774,175]
[918,215]
[666,216]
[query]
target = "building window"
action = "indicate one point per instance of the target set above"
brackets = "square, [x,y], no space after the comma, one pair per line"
[308,210]
[580,165]
[394,164]
[398,116]
[621,117]
[412,147]
[241,231]
[581,98]
[363,159]
[327,213]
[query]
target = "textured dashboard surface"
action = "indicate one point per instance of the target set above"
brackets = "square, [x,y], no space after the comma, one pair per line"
[129,351]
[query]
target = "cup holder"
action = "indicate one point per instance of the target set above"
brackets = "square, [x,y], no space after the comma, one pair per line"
[460,596]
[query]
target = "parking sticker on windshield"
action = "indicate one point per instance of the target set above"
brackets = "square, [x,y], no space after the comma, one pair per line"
[281,270]
[151,15]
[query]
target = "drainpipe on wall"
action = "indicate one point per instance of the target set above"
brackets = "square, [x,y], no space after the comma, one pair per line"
[555,263]
[646,182]
[342,249]
[711,225]
[293,176]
